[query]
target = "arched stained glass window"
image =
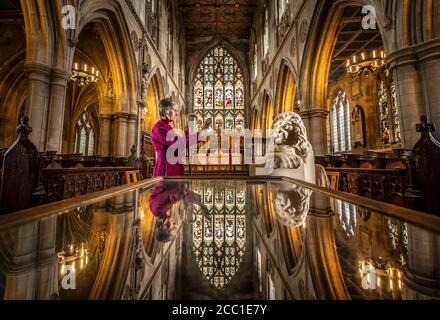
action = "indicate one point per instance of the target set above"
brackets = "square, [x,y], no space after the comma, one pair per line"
[282,6]
[85,134]
[255,61]
[340,123]
[266,32]
[388,109]
[219,91]
[219,238]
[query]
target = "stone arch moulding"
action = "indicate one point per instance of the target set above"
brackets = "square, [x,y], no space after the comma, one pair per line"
[286,87]
[109,18]
[315,66]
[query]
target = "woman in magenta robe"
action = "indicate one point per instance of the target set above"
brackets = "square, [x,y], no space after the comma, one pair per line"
[163,196]
[168,111]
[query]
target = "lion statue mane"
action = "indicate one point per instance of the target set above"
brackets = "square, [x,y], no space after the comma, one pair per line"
[291,204]
[291,147]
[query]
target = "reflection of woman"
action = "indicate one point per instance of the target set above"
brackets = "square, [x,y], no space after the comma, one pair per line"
[168,110]
[163,196]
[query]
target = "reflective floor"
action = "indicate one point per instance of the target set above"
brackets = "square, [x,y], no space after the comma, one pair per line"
[214,239]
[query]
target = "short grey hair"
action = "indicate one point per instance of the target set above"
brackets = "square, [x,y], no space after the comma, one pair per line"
[166,105]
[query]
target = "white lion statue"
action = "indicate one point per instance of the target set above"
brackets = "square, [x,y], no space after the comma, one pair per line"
[292,154]
[291,203]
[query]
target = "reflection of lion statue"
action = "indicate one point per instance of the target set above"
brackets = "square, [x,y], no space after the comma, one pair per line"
[292,149]
[291,203]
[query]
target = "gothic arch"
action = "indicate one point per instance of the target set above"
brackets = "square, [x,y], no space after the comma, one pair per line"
[320,46]
[286,88]
[155,93]
[12,96]
[241,60]
[267,112]
[115,36]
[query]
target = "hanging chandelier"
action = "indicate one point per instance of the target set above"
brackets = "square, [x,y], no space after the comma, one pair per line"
[366,63]
[84,75]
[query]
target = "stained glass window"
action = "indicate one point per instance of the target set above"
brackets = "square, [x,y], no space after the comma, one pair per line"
[266,33]
[255,61]
[219,91]
[388,109]
[152,5]
[340,123]
[282,6]
[85,134]
[219,238]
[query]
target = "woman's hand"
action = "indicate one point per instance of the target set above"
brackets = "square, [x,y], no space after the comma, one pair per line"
[207,124]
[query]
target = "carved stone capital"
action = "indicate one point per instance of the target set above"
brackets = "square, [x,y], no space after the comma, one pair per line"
[37,71]
[314,113]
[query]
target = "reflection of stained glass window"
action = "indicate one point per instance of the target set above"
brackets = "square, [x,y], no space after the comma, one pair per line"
[388,109]
[347,217]
[219,88]
[219,238]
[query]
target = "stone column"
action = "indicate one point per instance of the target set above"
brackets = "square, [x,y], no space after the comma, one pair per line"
[132,133]
[429,57]
[37,102]
[120,126]
[316,125]
[47,270]
[105,130]
[58,90]
[403,63]
[19,268]
[422,276]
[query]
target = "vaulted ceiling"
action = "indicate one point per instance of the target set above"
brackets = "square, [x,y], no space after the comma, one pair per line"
[352,40]
[205,20]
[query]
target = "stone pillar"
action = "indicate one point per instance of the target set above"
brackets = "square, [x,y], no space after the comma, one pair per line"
[47,270]
[59,83]
[316,125]
[37,102]
[105,130]
[422,276]
[429,57]
[120,126]
[132,133]
[403,63]
[19,269]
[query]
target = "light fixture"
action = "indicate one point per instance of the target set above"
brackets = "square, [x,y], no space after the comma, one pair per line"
[380,276]
[83,74]
[73,258]
[365,63]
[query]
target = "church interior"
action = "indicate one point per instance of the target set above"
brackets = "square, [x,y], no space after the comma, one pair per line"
[335,101]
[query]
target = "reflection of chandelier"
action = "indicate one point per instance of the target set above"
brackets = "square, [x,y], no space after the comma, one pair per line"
[84,74]
[379,276]
[366,63]
[76,257]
